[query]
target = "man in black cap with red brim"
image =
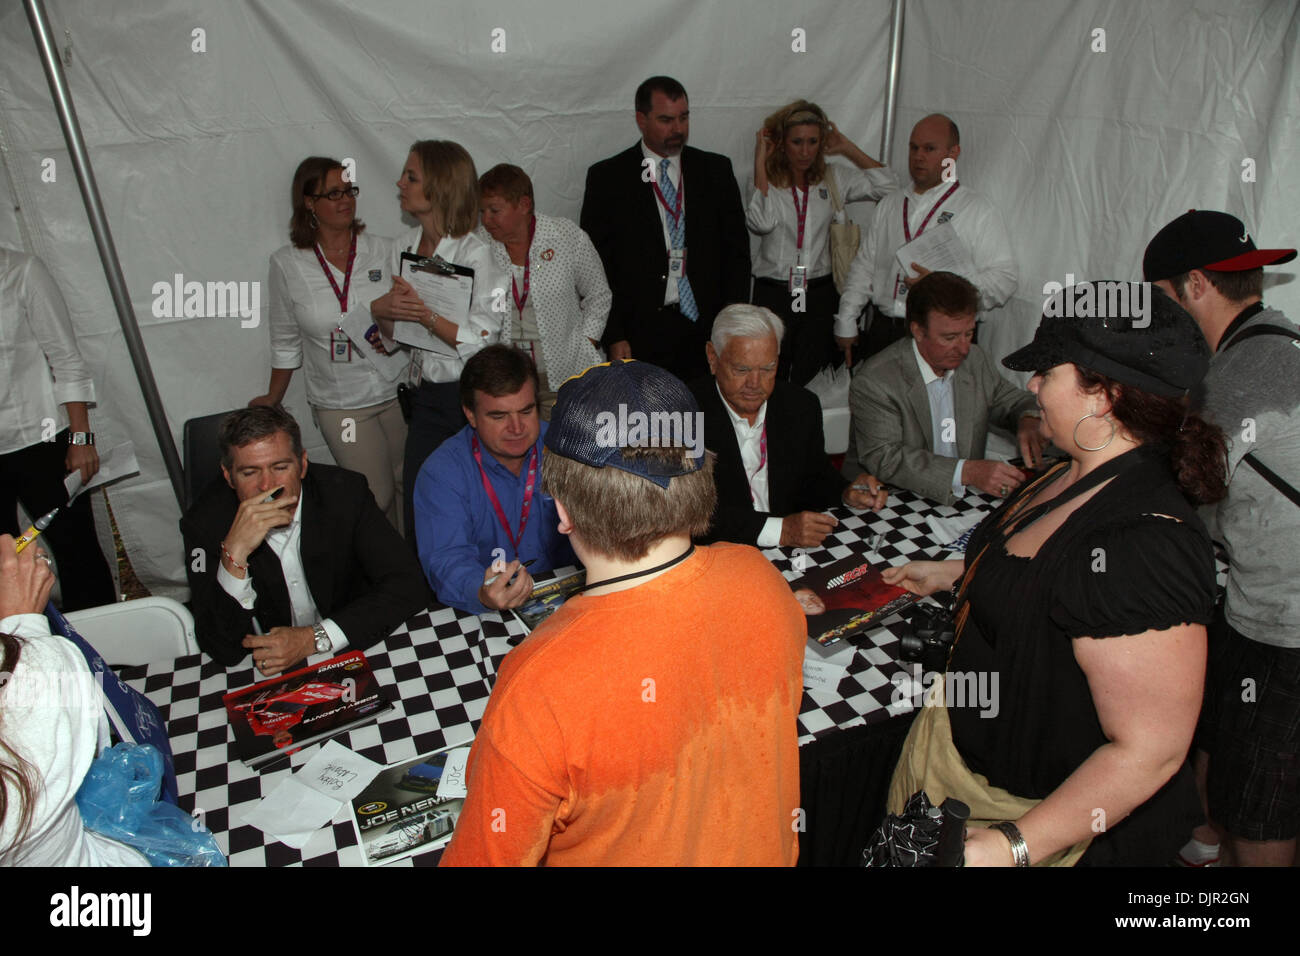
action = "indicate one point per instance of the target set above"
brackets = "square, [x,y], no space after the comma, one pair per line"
[1250,727]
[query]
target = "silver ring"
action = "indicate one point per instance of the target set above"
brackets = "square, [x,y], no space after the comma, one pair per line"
[1004,489]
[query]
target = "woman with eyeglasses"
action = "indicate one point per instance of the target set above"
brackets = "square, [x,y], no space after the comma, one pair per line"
[791,211]
[330,270]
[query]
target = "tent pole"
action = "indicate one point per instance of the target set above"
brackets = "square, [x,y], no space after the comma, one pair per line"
[62,97]
[891,84]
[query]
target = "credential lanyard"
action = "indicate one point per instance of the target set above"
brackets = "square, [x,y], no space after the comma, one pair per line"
[674,210]
[907,229]
[522,300]
[496,502]
[340,294]
[801,211]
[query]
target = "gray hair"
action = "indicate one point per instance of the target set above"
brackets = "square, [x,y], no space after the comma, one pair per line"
[745,322]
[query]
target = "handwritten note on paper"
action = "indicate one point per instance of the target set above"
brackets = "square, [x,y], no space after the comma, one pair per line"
[453,783]
[338,772]
[825,667]
[292,813]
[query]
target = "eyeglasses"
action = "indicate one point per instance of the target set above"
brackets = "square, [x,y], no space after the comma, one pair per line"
[334,195]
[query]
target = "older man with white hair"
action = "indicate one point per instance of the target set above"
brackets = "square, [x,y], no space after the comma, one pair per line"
[773,476]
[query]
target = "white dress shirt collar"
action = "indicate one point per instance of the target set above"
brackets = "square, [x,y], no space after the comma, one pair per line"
[928,374]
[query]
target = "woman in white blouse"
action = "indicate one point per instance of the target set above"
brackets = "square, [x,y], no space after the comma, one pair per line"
[50,728]
[439,188]
[791,211]
[331,270]
[559,299]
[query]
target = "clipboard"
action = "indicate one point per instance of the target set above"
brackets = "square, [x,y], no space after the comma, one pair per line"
[446,288]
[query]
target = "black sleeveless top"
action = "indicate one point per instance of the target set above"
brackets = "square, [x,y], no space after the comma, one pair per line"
[1113,567]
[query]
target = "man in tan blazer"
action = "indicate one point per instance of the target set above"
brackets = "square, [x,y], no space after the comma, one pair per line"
[923,406]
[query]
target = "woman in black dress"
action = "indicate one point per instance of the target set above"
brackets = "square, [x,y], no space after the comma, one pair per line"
[1082,604]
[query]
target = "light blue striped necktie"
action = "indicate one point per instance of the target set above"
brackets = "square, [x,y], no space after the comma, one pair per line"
[677,234]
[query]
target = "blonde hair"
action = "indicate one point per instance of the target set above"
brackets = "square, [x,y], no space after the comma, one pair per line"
[621,515]
[450,183]
[798,113]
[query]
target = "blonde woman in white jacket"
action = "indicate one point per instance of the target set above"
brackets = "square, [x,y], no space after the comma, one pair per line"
[558,298]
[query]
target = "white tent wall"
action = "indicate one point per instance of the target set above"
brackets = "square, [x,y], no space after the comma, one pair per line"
[1088,153]
[1085,153]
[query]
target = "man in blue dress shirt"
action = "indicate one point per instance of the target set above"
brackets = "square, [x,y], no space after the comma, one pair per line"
[479,509]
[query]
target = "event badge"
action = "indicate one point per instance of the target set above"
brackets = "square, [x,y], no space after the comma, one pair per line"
[900,296]
[677,263]
[340,346]
[798,278]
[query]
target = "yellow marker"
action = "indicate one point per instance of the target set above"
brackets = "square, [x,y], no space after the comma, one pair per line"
[30,534]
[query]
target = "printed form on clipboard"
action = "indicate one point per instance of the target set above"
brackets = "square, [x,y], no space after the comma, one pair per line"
[446,288]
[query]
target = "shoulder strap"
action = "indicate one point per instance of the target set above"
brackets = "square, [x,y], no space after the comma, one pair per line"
[1273,478]
[1265,472]
[1254,330]
[836,202]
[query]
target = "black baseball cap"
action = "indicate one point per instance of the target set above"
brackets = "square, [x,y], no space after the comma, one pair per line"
[1205,239]
[1128,331]
[627,404]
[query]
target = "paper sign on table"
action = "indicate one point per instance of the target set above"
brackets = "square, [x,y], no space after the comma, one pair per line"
[337,772]
[452,782]
[825,666]
[292,812]
[313,796]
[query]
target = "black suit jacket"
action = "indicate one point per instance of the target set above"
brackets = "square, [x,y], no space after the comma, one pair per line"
[620,214]
[359,570]
[799,472]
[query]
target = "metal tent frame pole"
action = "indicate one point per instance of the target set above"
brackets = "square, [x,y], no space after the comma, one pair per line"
[891,84]
[104,241]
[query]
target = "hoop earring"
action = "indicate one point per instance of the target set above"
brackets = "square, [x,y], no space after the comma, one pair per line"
[315,223]
[1103,445]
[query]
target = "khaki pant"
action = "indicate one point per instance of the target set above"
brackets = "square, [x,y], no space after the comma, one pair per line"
[930,762]
[372,441]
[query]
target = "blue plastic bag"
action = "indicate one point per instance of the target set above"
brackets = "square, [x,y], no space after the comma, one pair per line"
[119,798]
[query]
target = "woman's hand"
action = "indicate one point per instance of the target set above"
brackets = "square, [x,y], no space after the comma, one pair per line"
[25,579]
[924,578]
[401,304]
[837,144]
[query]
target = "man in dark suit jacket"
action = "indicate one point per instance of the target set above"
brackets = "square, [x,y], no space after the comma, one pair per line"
[773,477]
[665,298]
[318,565]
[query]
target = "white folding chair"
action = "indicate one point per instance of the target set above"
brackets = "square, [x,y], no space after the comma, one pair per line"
[138,632]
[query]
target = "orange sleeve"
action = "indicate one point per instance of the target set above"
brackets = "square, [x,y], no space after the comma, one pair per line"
[516,778]
[507,818]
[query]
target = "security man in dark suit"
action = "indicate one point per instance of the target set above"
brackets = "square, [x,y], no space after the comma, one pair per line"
[773,476]
[308,554]
[669,227]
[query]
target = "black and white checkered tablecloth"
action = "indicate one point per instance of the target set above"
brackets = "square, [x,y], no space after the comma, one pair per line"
[439,669]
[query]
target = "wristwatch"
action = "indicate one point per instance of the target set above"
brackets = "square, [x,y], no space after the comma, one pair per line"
[323,642]
[81,438]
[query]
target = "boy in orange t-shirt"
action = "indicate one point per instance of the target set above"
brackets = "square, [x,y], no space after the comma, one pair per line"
[651,719]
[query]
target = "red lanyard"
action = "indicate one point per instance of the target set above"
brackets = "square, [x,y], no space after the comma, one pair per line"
[496,502]
[520,301]
[347,275]
[676,209]
[907,230]
[801,212]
